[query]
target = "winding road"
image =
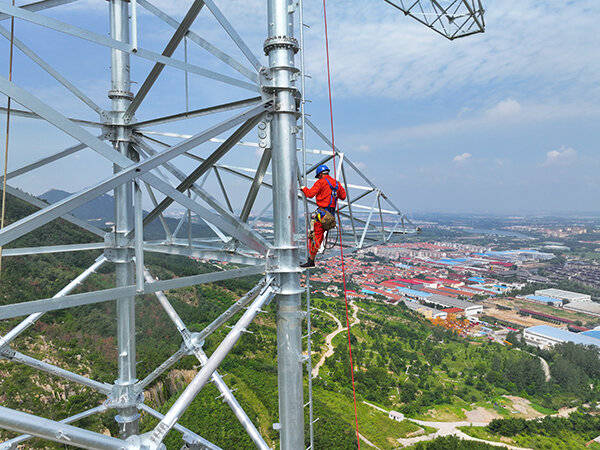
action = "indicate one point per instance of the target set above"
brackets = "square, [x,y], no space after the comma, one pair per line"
[448,429]
[330,336]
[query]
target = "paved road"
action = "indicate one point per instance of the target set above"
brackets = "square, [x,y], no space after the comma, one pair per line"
[330,336]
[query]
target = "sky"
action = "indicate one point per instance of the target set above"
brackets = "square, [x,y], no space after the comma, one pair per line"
[504,122]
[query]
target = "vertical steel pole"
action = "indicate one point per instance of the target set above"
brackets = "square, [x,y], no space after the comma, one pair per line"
[281,47]
[128,417]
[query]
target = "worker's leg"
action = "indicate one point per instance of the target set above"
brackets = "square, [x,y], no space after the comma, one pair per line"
[317,240]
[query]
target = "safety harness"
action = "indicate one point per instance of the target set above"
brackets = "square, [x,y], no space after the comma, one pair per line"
[326,215]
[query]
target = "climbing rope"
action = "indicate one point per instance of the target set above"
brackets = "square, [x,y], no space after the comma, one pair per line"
[10,65]
[340,223]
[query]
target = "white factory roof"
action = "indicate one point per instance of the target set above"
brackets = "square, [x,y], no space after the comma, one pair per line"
[562,335]
[450,302]
[559,293]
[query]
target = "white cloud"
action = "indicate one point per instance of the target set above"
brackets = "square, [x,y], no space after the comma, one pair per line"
[504,109]
[364,148]
[462,157]
[564,156]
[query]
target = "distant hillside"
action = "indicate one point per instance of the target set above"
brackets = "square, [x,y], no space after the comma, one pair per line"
[101,211]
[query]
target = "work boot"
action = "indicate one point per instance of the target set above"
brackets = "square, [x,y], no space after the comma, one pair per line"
[309,263]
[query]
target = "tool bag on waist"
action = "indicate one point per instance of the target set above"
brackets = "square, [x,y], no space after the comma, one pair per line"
[326,218]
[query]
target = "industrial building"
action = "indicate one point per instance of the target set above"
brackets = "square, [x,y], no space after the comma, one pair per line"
[430,313]
[470,309]
[564,295]
[545,336]
[544,299]
[591,308]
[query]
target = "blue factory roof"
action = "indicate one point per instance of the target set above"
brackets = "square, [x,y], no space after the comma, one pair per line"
[478,279]
[407,291]
[543,298]
[564,335]
[592,333]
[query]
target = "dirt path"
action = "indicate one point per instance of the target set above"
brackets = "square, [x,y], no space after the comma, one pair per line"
[448,429]
[546,369]
[330,336]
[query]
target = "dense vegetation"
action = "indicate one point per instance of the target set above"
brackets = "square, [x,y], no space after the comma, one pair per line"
[401,361]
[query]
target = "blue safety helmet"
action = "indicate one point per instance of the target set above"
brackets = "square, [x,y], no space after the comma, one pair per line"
[322,168]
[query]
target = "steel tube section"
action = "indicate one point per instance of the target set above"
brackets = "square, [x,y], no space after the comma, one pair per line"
[362,239]
[168,51]
[12,334]
[99,39]
[41,204]
[88,298]
[285,214]
[169,362]
[206,165]
[47,160]
[40,6]
[203,376]
[223,190]
[49,213]
[256,183]
[30,115]
[139,237]
[232,310]
[199,112]
[188,436]
[128,417]
[52,249]
[21,422]
[168,234]
[216,378]
[233,34]
[15,356]
[166,305]
[236,408]
[241,231]
[53,72]
[204,253]
[227,59]
[13,443]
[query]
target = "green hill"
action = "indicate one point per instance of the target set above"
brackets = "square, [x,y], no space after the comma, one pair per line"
[402,362]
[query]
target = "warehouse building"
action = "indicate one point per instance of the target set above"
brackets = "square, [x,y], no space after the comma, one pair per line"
[544,299]
[430,313]
[470,309]
[591,308]
[564,295]
[545,336]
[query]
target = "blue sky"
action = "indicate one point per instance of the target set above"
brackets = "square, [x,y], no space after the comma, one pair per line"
[505,122]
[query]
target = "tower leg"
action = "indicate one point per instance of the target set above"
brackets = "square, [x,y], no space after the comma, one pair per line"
[281,47]
[122,253]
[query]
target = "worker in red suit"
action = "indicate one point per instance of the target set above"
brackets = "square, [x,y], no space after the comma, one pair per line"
[327,192]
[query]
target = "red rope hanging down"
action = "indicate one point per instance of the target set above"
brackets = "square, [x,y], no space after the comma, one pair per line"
[340,223]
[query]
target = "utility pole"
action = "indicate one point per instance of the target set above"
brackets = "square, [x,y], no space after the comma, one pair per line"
[121,252]
[281,47]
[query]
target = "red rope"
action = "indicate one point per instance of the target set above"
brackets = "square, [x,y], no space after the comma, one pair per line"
[340,223]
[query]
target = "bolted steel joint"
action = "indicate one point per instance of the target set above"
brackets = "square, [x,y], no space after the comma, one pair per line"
[144,442]
[125,395]
[117,94]
[285,42]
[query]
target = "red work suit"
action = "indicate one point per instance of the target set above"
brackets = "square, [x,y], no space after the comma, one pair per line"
[324,199]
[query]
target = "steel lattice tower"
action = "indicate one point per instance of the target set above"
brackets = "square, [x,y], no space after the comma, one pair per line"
[139,161]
